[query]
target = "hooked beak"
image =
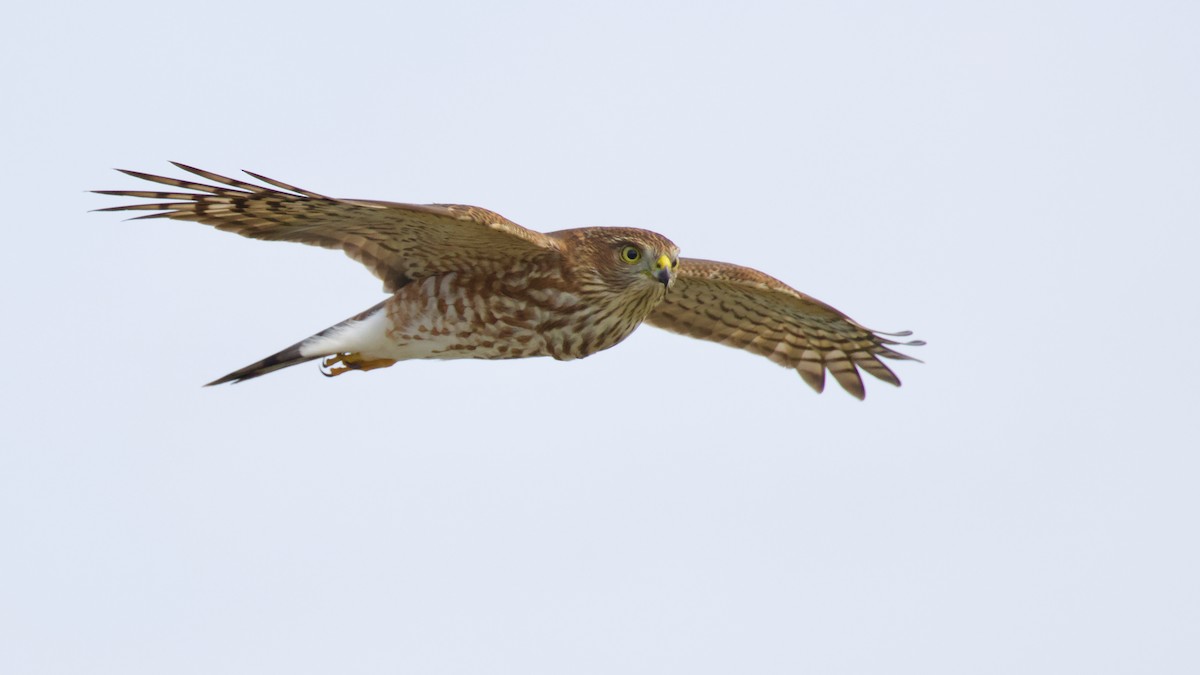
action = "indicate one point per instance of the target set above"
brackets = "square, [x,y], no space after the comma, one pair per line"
[662,270]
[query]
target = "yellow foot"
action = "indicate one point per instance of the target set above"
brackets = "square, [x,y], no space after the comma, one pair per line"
[348,362]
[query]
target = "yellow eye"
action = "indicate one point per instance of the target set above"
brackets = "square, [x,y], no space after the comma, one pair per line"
[630,254]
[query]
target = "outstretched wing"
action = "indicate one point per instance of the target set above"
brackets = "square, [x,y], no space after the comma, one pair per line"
[397,242]
[744,308]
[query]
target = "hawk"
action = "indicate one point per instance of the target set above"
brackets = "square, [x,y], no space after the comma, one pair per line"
[468,283]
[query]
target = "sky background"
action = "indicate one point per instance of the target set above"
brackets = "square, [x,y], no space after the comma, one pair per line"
[1017,182]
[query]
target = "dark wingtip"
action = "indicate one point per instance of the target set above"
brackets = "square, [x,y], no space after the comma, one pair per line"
[138,174]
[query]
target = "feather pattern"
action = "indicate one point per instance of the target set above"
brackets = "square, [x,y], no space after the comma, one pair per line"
[744,308]
[397,242]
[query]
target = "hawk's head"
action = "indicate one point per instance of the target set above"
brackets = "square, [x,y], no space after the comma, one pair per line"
[624,261]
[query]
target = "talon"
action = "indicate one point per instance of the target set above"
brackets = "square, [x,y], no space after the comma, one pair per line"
[350,361]
[332,360]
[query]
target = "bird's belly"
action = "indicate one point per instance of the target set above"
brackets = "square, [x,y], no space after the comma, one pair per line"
[446,318]
[435,320]
[413,343]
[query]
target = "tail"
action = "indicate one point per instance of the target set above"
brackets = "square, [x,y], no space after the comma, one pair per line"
[287,357]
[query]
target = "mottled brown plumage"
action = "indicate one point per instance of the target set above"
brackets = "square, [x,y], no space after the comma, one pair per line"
[469,283]
[744,308]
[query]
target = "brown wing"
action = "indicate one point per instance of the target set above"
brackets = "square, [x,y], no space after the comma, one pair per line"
[398,242]
[744,308]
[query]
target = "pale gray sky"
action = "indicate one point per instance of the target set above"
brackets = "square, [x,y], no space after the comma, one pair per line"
[1014,181]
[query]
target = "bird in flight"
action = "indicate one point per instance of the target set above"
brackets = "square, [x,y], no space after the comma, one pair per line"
[467,283]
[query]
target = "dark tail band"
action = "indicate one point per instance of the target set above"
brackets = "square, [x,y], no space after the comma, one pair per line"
[286,358]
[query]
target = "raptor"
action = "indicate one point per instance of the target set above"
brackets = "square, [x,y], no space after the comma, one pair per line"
[465,282]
